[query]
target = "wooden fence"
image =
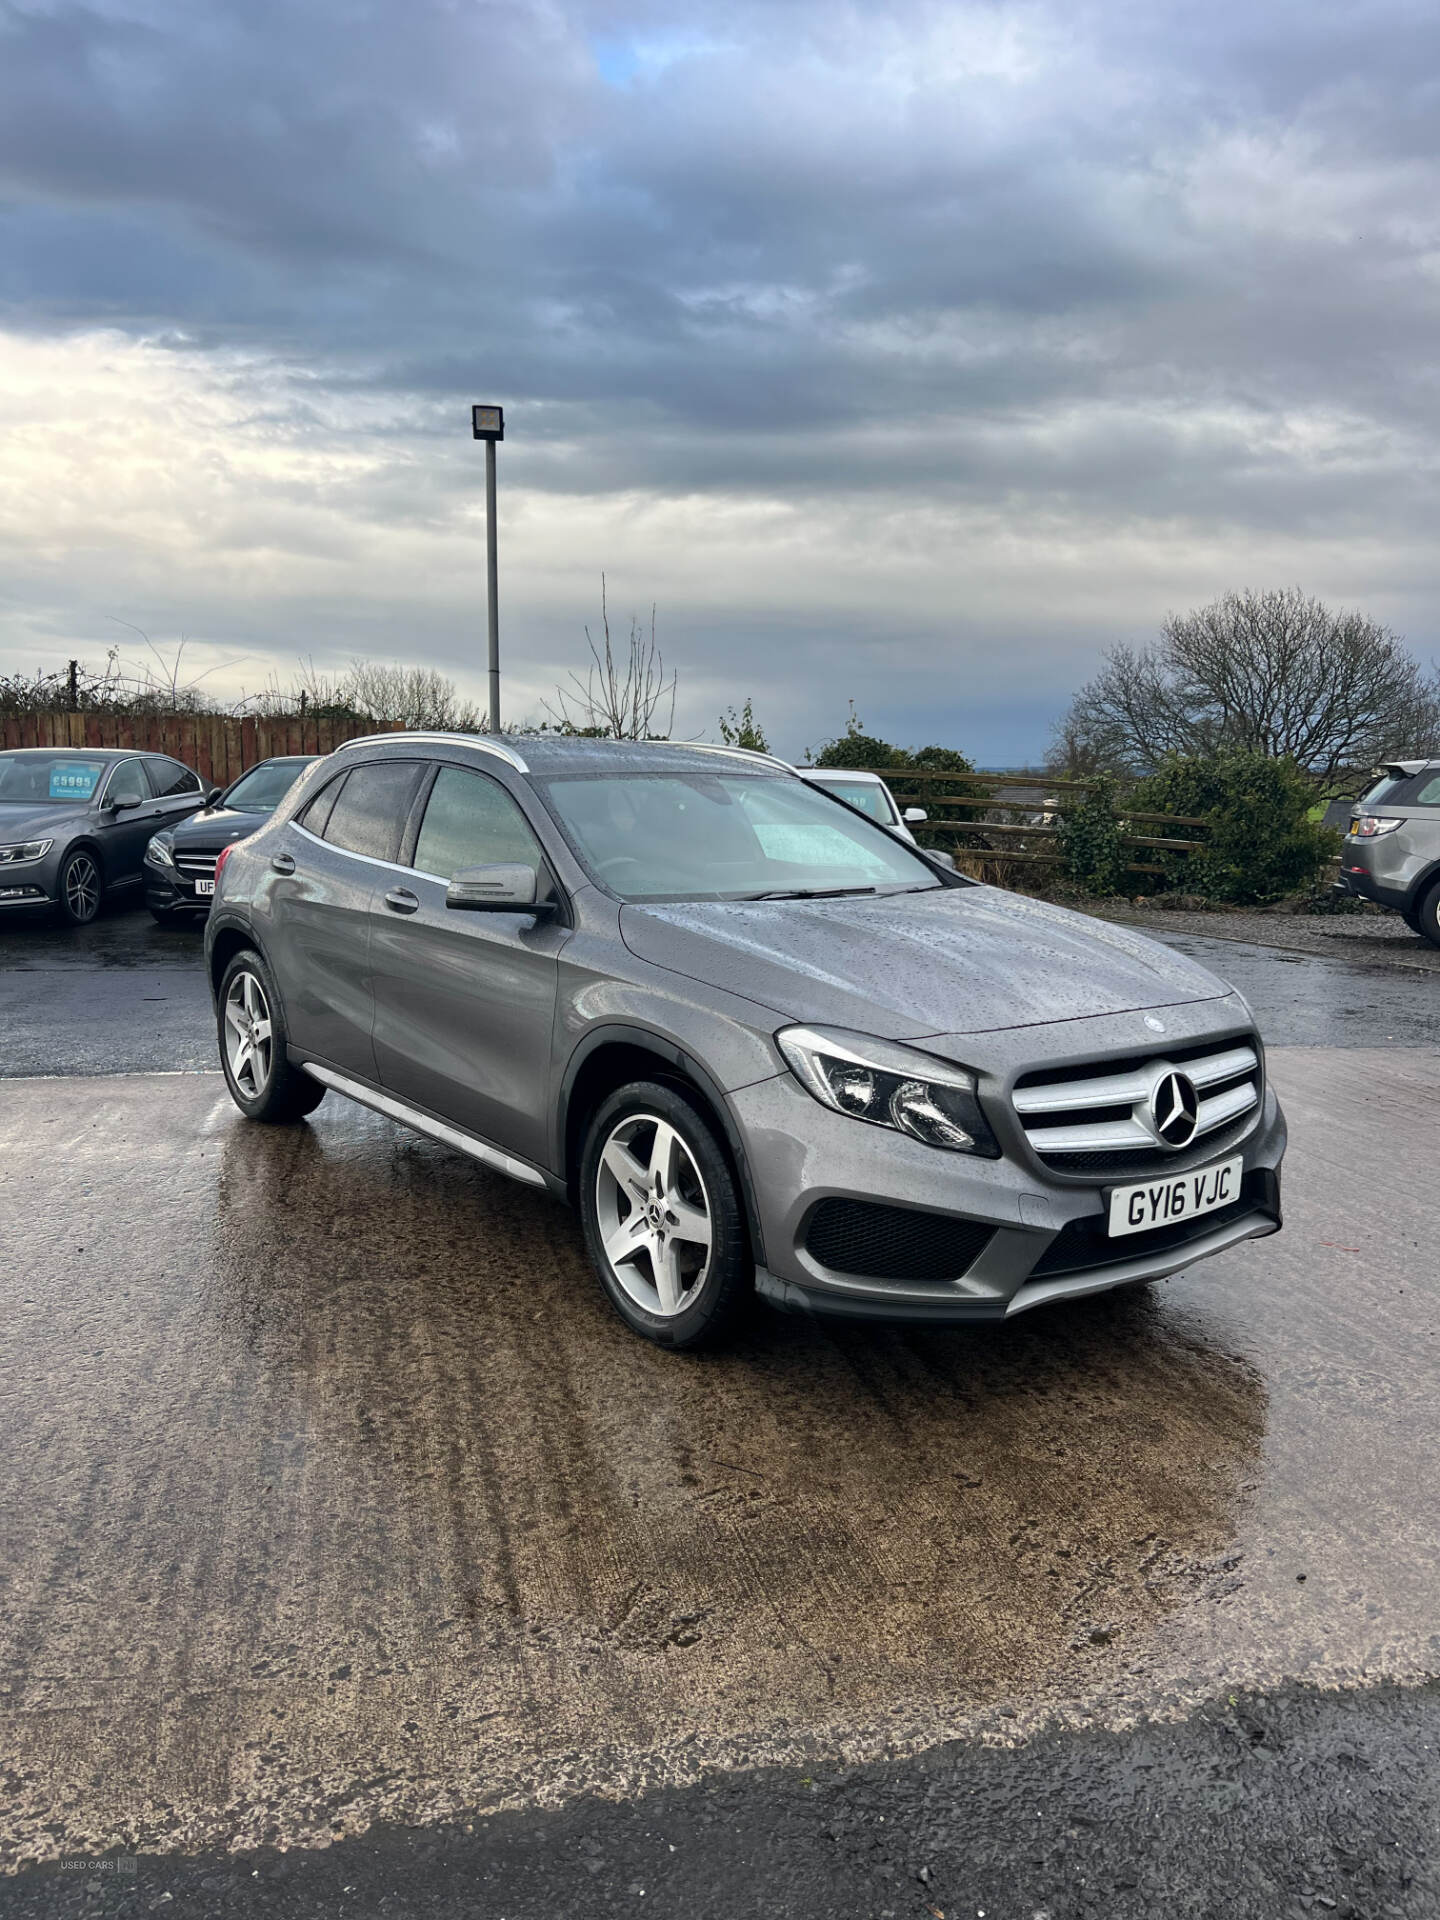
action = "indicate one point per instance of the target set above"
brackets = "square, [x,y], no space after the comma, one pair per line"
[914,787]
[218,747]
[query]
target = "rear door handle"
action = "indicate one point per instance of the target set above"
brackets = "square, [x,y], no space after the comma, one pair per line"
[283,862]
[401,900]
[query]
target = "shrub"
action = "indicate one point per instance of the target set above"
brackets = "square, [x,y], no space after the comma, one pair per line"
[1260,843]
[856,748]
[742,729]
[1090,839]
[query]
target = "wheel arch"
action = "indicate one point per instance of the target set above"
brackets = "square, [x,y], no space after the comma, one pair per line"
[86,843]
[225,944]
[1420,887]
[611,1057]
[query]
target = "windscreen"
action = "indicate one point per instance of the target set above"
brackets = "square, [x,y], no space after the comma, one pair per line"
[43,780]
[726,836]
[862,794]
[264,787]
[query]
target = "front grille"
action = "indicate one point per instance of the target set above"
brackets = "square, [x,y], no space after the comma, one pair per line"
[893,1243]
[198,865]
[1086,1244]
[1099,1118]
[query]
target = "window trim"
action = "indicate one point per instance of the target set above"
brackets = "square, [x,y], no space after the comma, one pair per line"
[370,859]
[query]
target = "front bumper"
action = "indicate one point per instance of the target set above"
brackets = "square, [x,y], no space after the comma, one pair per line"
[1024,1236]
[31,884]
[167,892]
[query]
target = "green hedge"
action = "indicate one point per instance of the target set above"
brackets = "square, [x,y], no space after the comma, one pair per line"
[1090,840]
[1260,842]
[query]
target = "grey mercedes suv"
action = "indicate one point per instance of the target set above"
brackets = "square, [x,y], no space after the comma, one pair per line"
[764,1045]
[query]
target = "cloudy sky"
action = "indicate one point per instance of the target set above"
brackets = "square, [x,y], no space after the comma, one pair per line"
[906,352]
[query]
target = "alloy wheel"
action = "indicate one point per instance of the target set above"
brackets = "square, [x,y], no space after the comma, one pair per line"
[247,1034]
[82,888]
[654,1215]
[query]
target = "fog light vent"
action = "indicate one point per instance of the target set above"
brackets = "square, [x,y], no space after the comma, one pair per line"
[893,1243]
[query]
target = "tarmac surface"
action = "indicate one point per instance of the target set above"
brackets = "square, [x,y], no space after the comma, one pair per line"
[355,1559]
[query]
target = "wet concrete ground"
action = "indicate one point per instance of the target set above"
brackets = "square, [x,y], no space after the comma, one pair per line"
[337,1511]
[332,1492]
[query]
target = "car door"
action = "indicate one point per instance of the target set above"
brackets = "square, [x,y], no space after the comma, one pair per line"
[325,869]
[465,1002]
[123,832]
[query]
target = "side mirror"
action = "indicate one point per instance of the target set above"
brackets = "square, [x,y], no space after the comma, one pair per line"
[507,888]
[125,802]
[945,859]
[213,795]
[914,816]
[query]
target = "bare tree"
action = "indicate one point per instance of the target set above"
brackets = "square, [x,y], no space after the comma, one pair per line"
[157,684]
[415,696]
[622,695]
[1275,672]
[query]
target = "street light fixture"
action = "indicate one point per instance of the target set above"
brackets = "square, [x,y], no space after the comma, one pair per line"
[488,424]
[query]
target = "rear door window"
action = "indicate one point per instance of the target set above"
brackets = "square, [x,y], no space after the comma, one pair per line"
[372,807]
[470,821]
[169,779]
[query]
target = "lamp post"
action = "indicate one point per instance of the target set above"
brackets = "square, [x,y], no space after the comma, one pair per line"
[488,424]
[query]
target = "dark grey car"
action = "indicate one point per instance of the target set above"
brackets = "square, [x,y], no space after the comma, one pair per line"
[74,823]
[180,860]
[761,1043]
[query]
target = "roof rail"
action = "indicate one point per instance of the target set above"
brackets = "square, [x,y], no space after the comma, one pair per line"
[745,753]
[484,744]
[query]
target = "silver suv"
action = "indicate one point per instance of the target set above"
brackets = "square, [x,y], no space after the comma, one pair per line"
[763,1045]
[1391,852]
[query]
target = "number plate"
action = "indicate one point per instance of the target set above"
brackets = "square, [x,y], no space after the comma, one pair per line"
[204,888]
[1160,1203]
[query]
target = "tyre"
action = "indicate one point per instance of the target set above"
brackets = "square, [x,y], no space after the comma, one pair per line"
[662,1216]
[1427,916]
[262,1082]
[81,888]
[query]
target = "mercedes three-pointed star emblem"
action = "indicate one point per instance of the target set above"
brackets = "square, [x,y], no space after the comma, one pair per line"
[1175,1110]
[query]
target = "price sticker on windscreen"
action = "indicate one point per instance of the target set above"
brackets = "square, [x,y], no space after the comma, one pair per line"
[74,780]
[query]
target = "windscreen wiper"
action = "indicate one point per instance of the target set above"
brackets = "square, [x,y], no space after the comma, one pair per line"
[810,893]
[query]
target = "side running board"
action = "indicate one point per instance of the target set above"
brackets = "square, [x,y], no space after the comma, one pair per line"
[409,1116]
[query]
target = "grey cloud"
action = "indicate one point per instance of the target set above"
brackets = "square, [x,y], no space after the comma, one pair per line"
[1121,262]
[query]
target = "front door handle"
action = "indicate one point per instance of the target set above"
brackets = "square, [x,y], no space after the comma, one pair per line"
[283,862]
[401,900]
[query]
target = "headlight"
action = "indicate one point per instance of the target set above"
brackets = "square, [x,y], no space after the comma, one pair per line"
[157,852]
[1371,829]
[890,1086]
[24,850]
